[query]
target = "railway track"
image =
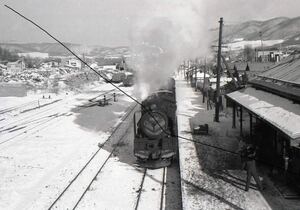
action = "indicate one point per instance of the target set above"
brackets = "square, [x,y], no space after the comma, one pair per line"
[61,103]
[73,193]
[37,104]
[35,128]
[140,190]
[29,123]
[13,108]
[152,188]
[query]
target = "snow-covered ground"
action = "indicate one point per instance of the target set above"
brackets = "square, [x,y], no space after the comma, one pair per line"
[44,80]
[118,186]
[46,146]
[42,150]
[210,179]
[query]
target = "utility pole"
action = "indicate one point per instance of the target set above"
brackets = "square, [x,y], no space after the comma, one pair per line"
[262,46]
[204,78]
[82,63]
[184,75]
[217,107]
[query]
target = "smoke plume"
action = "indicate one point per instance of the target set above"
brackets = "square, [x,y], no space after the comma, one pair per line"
[167,33]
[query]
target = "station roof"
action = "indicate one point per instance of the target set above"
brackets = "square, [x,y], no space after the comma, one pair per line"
[253,66]
[278,111]
[286,71]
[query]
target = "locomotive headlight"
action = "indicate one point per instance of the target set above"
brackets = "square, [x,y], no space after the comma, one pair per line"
[154,124]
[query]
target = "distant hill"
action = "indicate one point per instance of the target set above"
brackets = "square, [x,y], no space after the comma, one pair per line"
[50,48]
[55,49]
[277,28]
[293,41]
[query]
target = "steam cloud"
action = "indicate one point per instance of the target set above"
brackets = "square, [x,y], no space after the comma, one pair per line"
[165,35]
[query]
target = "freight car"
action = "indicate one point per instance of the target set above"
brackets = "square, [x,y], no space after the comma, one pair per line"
[128,80]
[118,77]
[155,136]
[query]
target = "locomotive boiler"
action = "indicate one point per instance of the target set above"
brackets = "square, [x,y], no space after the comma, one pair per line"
[155,136]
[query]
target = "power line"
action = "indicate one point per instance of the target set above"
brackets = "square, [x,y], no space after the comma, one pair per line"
[85,63]
[135,100]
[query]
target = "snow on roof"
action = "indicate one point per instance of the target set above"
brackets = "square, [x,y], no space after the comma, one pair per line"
[127,73]
[201,75]
[253,66]
[222,79]
[288,70]
[280,112]
[14,62]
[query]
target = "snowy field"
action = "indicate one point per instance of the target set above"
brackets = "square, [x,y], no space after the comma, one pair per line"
[43,148]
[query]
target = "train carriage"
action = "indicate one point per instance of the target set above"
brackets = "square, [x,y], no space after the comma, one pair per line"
[118,77]
[128,80]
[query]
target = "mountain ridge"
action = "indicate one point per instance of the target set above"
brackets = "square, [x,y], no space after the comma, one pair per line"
[55,49]
[283,28]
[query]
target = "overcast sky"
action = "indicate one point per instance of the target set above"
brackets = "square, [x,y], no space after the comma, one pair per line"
[113,22]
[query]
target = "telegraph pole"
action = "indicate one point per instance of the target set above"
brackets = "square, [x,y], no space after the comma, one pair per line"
[204,78]
[184,69]
[262,47]
[217,107]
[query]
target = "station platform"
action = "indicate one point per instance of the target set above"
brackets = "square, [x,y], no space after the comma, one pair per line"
[211,178]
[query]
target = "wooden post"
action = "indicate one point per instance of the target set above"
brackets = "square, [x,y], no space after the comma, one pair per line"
[251,136]
[184,73]
[134,125]
[203,88]
[241,121]
[234,115]
[275,141]
[217,107]
[195,78]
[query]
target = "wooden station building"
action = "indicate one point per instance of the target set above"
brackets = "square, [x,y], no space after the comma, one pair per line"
[267,112]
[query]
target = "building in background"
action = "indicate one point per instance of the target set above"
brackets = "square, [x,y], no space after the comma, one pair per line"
[253,68]
[50,64]
[73,63]
[269,55]
[16,67]
[108,67]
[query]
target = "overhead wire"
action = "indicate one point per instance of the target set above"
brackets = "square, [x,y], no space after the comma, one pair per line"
[110,82]
[85,63]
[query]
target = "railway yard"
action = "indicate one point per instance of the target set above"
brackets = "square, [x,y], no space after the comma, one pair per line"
[69,152]
[75,151]
[145,105]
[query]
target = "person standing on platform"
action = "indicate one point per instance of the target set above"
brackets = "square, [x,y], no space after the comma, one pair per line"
[248,155]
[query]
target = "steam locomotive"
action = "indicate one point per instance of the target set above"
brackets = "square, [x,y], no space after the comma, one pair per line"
[155,136]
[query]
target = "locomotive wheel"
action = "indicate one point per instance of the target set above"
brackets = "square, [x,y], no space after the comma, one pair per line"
[154,128]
